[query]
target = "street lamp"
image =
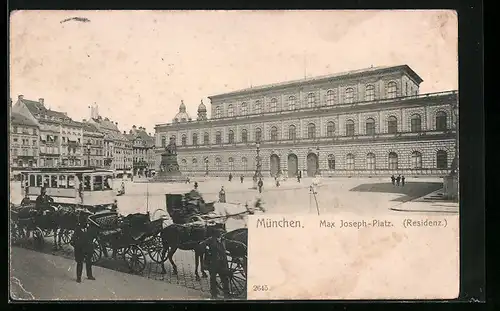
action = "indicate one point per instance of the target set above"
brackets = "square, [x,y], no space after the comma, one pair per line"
[258,167]
[317,162]
[206,166]
[89,145]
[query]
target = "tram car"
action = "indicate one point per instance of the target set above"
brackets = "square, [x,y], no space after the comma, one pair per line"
[90,188]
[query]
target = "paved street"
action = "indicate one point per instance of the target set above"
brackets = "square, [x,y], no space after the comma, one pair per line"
[40,276]
[368,197]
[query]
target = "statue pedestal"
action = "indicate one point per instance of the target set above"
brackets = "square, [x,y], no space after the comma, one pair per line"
[450,187]
[169,170]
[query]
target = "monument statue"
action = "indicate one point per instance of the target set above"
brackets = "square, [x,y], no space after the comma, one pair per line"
[169,168]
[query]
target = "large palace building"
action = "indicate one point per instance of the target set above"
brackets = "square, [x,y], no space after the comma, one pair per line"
[370,122]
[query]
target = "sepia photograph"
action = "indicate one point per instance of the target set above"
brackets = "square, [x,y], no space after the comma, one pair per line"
[233,155]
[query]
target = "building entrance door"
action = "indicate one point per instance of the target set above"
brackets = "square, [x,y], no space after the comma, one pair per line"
[275,165]
[293,165]
[312,164]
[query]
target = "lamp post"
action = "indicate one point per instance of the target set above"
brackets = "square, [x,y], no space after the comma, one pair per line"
[258,167]
[89,145]
[206,166]
[318,172]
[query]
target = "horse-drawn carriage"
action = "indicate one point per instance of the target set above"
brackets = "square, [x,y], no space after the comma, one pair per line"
[131,237]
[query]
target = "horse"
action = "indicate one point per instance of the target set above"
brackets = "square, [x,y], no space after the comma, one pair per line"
[189,236]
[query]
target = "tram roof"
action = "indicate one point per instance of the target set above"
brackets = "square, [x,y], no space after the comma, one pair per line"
[67,170]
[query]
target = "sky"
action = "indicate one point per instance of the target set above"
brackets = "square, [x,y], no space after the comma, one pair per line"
[138,65]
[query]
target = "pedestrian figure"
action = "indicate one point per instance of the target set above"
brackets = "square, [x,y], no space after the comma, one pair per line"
[114,206]
[241,178]
[26,200]
[398,179]
[188,180]
[43,202]
[222,195]
[216,262]
[84,248]
[393,179]
[403,181]
[260,184]
[230,176]
[195,185]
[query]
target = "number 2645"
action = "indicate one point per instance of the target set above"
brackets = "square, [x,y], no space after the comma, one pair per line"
[260,288]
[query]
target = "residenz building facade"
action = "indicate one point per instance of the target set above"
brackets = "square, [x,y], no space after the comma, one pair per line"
[369,122]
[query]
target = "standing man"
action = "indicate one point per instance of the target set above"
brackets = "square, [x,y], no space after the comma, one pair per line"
[393,179]
[398,179]
[241,178]
[82,243]
[222,195]
[403,181]
[195,185]
[230,176]
[260,184]
[216,261]
[26,200]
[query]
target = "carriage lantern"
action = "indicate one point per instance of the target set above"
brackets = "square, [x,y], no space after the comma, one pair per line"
[88,152]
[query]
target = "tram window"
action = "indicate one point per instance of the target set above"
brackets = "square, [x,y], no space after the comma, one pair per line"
[86,183]
[71,182]
[108,183]
[46,181]
[39,180]
[98,183]
[62,181]
[53,181]
[32,181]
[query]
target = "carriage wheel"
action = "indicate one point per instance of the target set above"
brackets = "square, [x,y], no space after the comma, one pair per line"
[135,259]
[38,238]
[237,278]
[66,236]
[155,250]
[97,253]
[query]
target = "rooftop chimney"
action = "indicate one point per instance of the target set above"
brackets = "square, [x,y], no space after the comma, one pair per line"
[40,100]
[124,132]
[84,120]
[20,97]
[133,126]
[116,123]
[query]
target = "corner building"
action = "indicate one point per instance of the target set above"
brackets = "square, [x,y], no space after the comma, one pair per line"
[370,122]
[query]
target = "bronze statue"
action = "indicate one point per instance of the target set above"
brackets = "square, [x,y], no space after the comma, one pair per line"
[171,148]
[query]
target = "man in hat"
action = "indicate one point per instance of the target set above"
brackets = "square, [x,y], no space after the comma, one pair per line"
[43,202]
[82,241]
[26,200]
[222,195]
[216,261]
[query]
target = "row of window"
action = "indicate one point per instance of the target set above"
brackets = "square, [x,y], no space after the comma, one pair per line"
[370,129]
[331,99]
[371,163]
[24,152]
[25,142]
[24,130]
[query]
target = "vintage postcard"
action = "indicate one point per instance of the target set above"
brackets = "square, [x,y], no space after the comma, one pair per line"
[195,155]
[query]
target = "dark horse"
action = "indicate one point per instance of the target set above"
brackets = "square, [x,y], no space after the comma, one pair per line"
[186,237]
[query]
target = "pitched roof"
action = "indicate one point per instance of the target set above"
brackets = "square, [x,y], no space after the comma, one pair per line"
[19,119]
[36,108]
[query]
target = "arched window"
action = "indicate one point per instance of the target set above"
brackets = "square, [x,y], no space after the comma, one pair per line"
[441,121]
[349,95]
[349,164]
[163,141]
[230,110]
[292,132]
[258,134]
[311,131]
[274,133]
[330,129]
[183,165]
[195,139]
[331,162]
[291,103]
[416,160]
[392,125]
[231,137]
[370,126]
[273,105]
[258,107]
[330,98]
[349,128]
[244,109]
[370,92]
[244,163]
[218,112]
[231,164]
[370,161]
[416,123]
[206,139]
[311,100]
[183,140]
[218,138]
[244,136]
[442,159]
[218,164]
[195,164]
[392,89]
[393,161]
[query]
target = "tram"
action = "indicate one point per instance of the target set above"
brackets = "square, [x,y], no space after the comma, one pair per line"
[87,187]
